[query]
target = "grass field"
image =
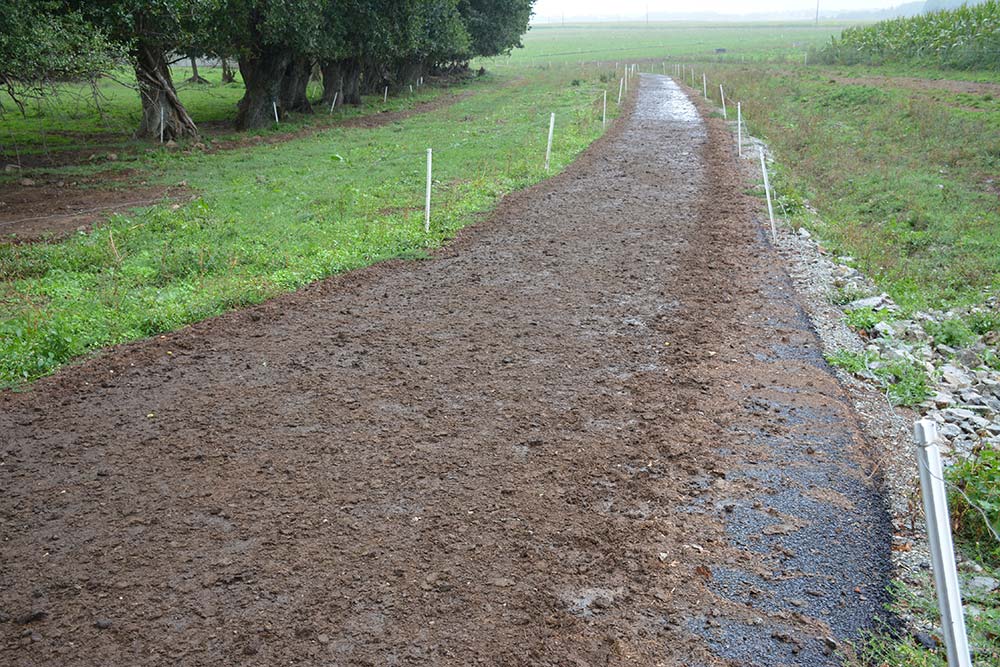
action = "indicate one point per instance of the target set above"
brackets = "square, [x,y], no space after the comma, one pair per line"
[638,41]
[903,174]
[104,116]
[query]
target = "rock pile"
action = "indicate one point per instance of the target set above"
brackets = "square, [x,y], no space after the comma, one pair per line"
[965,380]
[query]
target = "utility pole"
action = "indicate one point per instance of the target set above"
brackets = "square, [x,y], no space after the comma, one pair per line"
[817,12]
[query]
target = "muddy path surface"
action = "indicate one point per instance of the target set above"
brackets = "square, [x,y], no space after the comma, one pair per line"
[595,430]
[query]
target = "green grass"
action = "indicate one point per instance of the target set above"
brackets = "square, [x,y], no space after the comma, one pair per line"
[890,649]
[270,219]
[905,383]
[101,118]
[630,42]
[903,179]
[976,486]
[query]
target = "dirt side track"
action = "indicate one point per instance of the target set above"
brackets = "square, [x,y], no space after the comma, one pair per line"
[595,430]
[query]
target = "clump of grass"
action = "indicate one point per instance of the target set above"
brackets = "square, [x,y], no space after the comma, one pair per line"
[856,363]
[905,383]
[976,482]
[845,295]
[865,319]
[951,332]
[984,322]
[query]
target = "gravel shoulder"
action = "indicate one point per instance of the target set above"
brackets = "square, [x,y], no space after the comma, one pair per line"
[594,430]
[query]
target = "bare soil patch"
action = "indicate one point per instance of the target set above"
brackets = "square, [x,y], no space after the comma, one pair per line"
[49,209]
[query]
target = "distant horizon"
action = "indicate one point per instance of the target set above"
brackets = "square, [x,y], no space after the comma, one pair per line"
[578,11]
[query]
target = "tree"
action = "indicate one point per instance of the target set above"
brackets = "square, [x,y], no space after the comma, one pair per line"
[496,26]
[149,30]
[41,45]
[274,41]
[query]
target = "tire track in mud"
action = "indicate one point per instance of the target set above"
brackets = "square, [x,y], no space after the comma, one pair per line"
[595,430]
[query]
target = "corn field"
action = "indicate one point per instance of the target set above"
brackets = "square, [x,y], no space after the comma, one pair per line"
[963,38]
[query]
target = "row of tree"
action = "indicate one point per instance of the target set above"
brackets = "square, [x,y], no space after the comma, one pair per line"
[358,45]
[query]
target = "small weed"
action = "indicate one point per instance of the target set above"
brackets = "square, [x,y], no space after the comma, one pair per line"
[977,482]
[856,363]
[865,319]
[953,333]
[846,295]
[905,383]
[985,322]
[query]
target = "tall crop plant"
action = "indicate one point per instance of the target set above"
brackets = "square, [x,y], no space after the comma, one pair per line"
[965,38]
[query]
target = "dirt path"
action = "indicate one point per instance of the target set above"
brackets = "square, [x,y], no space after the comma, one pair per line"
[593,431]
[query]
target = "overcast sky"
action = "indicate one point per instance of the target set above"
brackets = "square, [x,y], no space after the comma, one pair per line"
[637,8]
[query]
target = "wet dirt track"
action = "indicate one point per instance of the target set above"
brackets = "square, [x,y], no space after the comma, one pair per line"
[595,430]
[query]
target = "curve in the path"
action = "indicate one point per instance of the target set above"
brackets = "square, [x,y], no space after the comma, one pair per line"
[593,431]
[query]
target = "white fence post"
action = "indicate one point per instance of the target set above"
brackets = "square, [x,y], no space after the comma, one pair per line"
[739,129]
[334,102]
[767,193]
[548,149]
[621,83]
[704,85]
[722,94]
[942,549]
[385,96]
[427,203]
[604,111]
[161,123]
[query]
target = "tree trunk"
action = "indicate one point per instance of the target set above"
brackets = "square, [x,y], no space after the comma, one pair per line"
[333,82]
[163,115]
[374,79]
[227,72]
[351,69]
[294,84]
[195,78]
[262,75]
[408,71]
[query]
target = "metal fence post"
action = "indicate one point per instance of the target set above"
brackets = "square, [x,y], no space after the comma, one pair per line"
[942,550]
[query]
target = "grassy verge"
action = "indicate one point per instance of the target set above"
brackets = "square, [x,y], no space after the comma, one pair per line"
[904,178]
[269,219]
